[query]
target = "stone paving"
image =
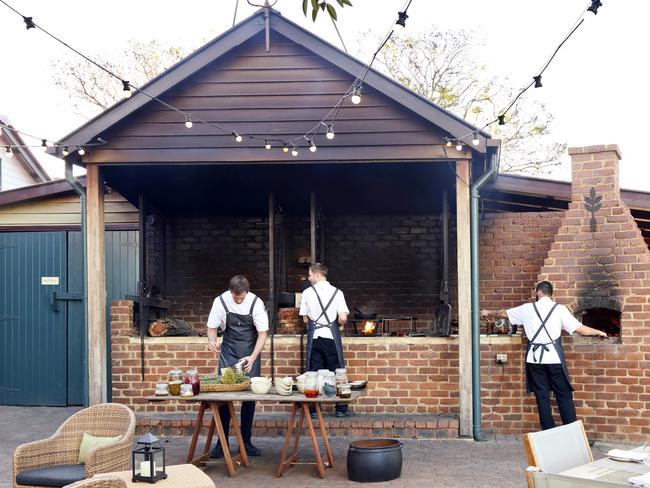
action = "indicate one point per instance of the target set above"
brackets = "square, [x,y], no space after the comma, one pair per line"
[499,462]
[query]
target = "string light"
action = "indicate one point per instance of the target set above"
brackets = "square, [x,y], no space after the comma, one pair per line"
[330,132]
[126,89]
[29,23]
[356,96]
[267,144]
[502,119]
[81,151]
[312,146]
[538,81]
[475,140]
[188,121]
[595,5]
[459,146]
[294,151]
[44,144]
[401,21]
[449,143]
[285,148]
[65,150]
[238,138]
[8,152]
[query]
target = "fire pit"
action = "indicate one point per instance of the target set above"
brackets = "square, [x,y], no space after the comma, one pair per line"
[363,328]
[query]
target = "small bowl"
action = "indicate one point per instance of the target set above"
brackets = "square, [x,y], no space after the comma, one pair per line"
[260,387]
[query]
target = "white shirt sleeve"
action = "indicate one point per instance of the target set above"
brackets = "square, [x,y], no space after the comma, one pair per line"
[303,302]
[217,317]
[260,317]
[569,322]
[341,306]
[516,315]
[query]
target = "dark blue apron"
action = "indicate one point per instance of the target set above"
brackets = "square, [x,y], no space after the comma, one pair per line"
[239,339]
[312,325]
[543,347]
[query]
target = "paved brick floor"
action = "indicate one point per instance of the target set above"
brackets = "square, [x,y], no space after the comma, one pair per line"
[427,463]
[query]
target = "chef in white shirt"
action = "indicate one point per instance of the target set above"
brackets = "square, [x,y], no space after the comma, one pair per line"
[546,369]
[323,309]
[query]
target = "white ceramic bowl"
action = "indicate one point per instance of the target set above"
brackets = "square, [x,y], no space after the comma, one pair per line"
[260,387]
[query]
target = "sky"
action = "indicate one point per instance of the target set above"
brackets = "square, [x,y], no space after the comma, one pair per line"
[595,87]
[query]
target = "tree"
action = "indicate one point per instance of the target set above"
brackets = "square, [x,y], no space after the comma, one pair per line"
[323,5]
[90,88]
[441,66]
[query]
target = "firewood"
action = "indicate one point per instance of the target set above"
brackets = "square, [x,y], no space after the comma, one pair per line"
[169,327]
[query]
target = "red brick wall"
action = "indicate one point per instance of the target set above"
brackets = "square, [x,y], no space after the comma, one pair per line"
[417,375]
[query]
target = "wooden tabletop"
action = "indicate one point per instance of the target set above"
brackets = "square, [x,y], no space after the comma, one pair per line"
[184,475]
[271,396]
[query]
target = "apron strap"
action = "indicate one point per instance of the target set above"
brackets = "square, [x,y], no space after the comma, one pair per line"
[224,304]
[252,306]
[544,346]
[324,309]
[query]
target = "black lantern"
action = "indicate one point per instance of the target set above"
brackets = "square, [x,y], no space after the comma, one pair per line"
[148,459]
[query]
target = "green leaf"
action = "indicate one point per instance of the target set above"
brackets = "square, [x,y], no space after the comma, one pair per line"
[332,11]
[305,6]
[314,14]
[347,2]
[340,2]
[314,4]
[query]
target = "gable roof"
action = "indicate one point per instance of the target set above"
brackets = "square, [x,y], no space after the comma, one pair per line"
[22,153]
[242,32]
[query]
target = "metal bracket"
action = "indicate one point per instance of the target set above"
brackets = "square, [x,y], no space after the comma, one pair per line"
[64,295]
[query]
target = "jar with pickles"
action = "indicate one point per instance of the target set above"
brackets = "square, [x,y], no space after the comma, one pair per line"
[174,380]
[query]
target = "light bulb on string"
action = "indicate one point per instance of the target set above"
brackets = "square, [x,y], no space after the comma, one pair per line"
[538,81]
[188,121]
[8,152]
[459,146]
[330,132]
[401,19]
[81,151]
[126,89]
[267,144]
[475,140]
[502,119]
[285,148]
[294,151]
[65,150]
[449,143]
[238,138]
[44,145]
[356,96]
[595,5]
[312,146]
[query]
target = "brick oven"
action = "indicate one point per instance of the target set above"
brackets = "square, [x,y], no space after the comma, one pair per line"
[599,262]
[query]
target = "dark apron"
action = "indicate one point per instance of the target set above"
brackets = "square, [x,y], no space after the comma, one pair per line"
[239,339]
[543,347]
[312,325]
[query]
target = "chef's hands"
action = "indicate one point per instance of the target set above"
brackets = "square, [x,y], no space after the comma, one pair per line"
[602,335]
[248,365]
[214,347]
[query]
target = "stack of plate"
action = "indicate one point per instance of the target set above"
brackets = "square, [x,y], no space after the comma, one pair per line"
[284,386]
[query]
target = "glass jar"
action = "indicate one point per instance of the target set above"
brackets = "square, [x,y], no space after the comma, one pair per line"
[329,384]
[322,373]
[175,379]
[192,378]
[344,390]
[161,389]
[341,376]
[311,384]
[186,390]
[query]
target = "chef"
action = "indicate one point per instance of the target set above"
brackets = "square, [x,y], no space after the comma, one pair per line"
[546,369]
[323,309]
[241,316]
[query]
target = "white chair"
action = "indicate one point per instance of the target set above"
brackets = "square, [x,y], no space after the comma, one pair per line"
[558,449]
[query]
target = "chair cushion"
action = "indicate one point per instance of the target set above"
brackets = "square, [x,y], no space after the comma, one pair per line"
[61,475]
[90,441]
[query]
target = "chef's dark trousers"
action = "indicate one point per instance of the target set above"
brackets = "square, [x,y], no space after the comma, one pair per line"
[324,356]
[246,420]
[545,378]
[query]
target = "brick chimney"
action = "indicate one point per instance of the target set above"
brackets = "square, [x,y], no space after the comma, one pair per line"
[599,262]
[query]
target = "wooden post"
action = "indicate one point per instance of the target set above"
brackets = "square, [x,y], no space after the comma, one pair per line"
[96,277]
[464,296]
[312,227]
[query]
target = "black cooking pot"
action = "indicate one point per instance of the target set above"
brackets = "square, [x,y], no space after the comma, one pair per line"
[374,460]
[359,315]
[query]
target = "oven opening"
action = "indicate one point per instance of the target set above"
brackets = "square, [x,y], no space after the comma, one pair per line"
[605,319]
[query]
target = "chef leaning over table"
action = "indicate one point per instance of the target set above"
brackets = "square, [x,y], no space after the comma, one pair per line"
[241,316]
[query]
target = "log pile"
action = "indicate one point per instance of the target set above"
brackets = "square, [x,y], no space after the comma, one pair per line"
[169,327]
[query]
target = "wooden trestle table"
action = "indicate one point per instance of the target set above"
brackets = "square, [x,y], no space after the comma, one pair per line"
[298,416]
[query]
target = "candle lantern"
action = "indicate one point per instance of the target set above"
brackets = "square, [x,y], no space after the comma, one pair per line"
[148,459]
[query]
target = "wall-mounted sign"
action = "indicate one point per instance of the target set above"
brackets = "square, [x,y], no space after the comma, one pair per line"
[49,280]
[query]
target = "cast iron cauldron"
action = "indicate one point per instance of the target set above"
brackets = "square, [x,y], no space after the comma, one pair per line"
[373,460]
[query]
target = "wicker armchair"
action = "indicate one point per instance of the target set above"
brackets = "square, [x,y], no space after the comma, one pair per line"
[103,482]
[104,420]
